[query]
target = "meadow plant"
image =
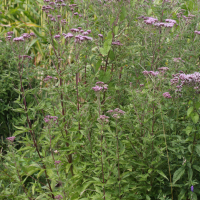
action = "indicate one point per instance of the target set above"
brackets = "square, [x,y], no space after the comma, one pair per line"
[114,111]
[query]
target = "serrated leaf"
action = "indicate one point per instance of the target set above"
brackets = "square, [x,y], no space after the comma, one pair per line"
[196,167]
[189,111]
[188,130]
[123,13]
[162,174]
[190,174]
[195,117]
[178,174]
[197,149]
[40,173]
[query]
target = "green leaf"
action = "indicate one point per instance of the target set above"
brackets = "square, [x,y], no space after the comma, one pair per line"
[148,197]
[197,149]
[40,173]
[188,130]
[149,11]
[195,117]
[123,13]
[178,174]
[162,174]
[196,167]
[189,111]
[116,30]
[190,174]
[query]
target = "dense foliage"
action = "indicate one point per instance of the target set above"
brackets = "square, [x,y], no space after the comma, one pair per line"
[100,100]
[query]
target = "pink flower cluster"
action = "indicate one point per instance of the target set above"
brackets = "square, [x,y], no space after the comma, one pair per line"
[11,138]
[167,95]
[169,23]
[49,77]
[58,197]
[181,79]
[146,73]
[100,86]
[117,43]
[178,59]
[22,37]
[48,118]
[103,118]
[116,113]
[57,161]
[78,38]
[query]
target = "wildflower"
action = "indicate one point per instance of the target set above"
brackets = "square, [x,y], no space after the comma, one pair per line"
[150,73]
[167,95]
[74,30]
[10,33]
[58,197]
[192,188]
[57,161]
[32,34]
[57,36]
[141,85]
[69,35]
[100,35]
[75,13]
[103,118]
[117,43]
[89,31]
[8,37]
[11,138]
[18,39]
[197,32]
[63,21]
[58,16]
[171,21]
[97,88]
[56,151]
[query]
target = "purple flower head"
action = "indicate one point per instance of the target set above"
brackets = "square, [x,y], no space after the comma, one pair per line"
[74,30]
[48,118]
[10,33]
[192,188]
[63,4]
[177,59]
[88,38]
[79,28]
[150,73]
[103,118]
[171,21]
[163,68]
[57,36]
[80,15]
[43,7]
[85,33]
[57,161]
[100,35]
[150,20]
[59,16]
[197,32]
[8,37]
[69,35]
[100,83]
[116,116]
[63,21]
[11,138]
[26,35]
[117,43]
[89,31]
[32,34]
[75,13]
[97,88]
[18,39]
[141,85]
[109,111]
[168,25]
[58,197]
[167,95]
